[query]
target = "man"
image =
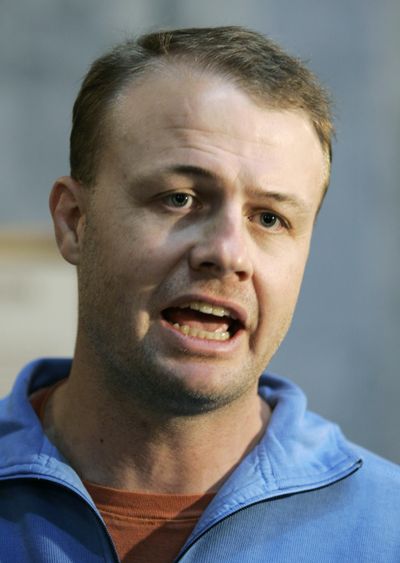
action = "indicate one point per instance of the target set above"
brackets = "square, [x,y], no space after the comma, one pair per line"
[199,161]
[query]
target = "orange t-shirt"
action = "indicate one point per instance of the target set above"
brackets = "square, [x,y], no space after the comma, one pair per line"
[144,527]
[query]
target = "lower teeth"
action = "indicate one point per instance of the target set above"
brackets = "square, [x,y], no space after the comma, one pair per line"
[204,334]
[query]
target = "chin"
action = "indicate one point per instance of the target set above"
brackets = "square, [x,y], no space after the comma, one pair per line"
[179,388]
[182,400]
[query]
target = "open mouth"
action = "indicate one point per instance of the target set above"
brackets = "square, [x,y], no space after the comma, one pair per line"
[202,320]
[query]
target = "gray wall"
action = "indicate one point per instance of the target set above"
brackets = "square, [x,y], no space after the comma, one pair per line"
[344,345]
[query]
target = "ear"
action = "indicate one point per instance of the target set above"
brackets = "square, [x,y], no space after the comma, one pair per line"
[68,210]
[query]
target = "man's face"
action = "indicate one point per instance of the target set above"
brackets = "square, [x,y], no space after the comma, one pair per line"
[196,239]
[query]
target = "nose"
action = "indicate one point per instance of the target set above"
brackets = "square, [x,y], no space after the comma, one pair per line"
[222,248]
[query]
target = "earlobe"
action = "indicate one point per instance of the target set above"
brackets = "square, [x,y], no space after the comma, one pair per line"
[67,207]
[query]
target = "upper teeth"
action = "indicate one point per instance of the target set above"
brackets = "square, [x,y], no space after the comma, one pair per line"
[208,309]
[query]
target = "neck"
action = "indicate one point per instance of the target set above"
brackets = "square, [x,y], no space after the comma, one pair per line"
[115,443]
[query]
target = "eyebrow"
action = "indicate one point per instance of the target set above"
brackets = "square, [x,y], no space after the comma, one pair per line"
[198,172]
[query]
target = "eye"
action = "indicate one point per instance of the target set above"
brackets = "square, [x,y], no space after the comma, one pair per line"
[179,200]
[271,221]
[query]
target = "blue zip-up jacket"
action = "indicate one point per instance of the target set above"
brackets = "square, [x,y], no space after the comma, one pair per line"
[304,494]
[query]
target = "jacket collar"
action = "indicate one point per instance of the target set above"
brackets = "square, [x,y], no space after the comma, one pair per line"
[300,450]
[26,450]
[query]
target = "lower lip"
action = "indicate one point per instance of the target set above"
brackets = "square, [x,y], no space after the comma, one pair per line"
[201,345]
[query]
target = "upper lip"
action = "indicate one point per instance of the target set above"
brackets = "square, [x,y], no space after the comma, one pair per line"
[237,311]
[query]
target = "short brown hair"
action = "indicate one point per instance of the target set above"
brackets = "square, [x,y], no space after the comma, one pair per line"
[259,66]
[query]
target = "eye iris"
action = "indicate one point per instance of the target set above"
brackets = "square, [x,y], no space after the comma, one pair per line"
[268,219]
[179,200]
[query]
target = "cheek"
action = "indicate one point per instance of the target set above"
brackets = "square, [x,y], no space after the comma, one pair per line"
[140,262]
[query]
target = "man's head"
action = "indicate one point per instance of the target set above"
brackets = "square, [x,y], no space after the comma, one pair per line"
[192,247]
[248,59]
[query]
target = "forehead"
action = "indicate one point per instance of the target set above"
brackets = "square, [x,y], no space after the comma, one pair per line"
[178,114]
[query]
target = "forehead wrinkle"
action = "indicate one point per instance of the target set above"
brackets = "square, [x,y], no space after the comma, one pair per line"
[211,141]
[191,170]
[188,129]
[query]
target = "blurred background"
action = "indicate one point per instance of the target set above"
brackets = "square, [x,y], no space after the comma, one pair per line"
[344,345]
